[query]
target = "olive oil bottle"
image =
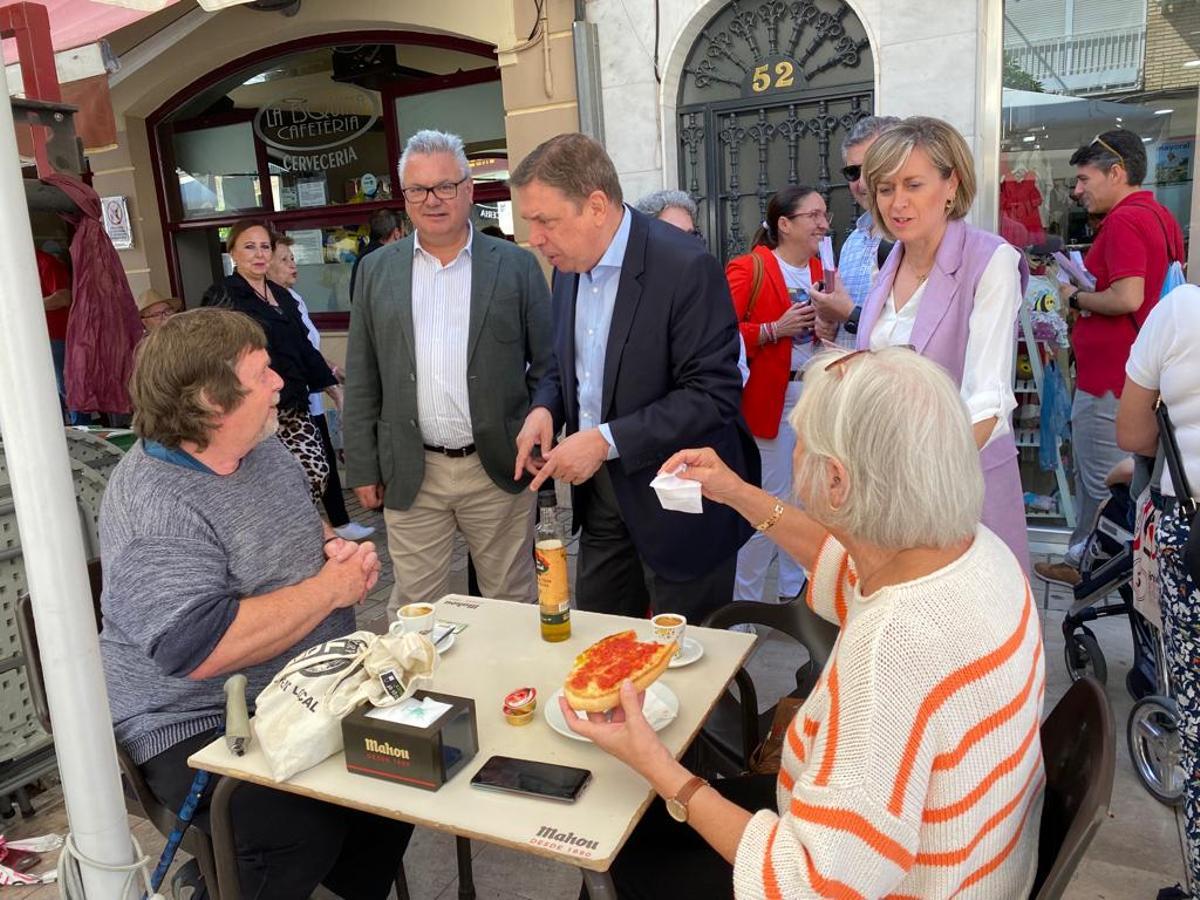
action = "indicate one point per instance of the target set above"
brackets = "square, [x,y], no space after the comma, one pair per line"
[550,558]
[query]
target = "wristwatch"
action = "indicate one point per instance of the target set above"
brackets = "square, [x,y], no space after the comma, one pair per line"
[1073,301]
[677,806]
[850,326]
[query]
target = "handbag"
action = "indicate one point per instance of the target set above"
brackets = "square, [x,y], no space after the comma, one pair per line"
[1183,491]
[756,284]
[768,756]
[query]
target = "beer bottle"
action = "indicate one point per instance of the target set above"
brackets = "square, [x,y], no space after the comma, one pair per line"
[550,559]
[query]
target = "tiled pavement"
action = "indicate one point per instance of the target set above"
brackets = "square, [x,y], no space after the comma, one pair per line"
[1135,852]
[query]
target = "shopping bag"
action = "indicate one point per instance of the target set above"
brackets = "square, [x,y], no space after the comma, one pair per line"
[1173,279]
[1055,416]
[298,716]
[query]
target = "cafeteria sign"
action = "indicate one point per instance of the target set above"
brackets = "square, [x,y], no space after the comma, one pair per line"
[315,136]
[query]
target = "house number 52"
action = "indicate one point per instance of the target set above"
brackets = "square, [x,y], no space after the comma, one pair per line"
[784,72]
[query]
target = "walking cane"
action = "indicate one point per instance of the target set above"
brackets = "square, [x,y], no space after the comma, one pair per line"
[237,737]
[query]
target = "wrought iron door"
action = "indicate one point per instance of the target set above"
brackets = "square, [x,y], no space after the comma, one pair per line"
[770,91]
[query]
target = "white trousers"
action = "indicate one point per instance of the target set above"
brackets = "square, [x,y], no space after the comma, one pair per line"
[756,554]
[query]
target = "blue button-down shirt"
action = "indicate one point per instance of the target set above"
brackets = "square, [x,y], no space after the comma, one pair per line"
[595,299]
[858,264]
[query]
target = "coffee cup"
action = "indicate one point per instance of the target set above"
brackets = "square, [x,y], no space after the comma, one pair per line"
[414,617]
[668,627]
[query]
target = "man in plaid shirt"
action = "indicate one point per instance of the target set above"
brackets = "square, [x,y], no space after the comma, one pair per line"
[838,309]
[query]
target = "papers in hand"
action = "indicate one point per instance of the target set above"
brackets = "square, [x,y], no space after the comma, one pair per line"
[828,263]
[1081,276]
[678,494]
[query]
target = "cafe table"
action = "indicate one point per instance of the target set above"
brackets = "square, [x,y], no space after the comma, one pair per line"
[500,649]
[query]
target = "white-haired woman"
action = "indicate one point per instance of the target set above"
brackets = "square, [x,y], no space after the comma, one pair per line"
[914,767]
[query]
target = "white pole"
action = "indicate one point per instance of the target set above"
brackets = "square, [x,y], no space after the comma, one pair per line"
[52,545]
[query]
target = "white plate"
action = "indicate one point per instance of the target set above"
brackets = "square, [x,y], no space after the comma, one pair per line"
[688,654]
[659,691]
[446,643]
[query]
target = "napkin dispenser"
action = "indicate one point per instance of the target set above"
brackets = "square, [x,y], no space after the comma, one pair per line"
[423,741]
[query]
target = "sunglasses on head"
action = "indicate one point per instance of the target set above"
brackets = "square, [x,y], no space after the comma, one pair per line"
[839,365]
[852,173]
[1107,146]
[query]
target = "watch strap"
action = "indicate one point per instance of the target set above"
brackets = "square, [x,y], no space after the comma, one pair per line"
[689,789]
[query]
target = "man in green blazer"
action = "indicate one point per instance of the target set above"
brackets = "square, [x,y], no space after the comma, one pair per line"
[449,337]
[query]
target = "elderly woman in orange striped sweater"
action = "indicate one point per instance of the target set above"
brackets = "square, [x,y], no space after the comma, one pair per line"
[914,768]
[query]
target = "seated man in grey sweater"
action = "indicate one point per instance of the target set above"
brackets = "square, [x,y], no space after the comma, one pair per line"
[215,561]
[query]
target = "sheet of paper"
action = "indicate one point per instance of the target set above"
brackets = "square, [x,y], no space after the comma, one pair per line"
[1081,276]
[828,263]
[414,712]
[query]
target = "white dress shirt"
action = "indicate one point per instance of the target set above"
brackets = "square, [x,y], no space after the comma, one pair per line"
[986,386]
[441,311]
[595,300]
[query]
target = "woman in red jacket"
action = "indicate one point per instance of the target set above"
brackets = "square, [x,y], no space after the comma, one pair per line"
[770,286]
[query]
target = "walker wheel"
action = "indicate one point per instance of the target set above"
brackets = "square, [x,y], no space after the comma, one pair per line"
[1083,656]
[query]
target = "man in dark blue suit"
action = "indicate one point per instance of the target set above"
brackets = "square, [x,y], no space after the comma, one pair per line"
[645,363]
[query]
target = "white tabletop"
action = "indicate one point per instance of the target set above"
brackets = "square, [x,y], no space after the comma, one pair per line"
[501,650]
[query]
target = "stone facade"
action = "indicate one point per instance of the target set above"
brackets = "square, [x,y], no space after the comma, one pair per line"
[931,57]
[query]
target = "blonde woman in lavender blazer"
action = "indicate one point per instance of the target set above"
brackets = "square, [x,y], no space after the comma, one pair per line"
[952,292]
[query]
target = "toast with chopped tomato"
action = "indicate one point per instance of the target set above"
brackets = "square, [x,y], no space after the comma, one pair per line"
[594,682]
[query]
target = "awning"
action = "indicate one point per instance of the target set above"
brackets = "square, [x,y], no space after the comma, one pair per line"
[76,23]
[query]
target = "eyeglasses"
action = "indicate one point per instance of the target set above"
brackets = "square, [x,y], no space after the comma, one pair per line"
[165,314]
[852,173]
[839,364]
[1107,146]
[814,216]
[447,190]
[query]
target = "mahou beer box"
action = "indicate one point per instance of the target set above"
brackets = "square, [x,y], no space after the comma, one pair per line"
[423,741]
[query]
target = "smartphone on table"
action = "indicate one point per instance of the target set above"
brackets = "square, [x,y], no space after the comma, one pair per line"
[535,779]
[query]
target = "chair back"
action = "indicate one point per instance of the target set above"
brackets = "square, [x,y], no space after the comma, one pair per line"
[139,799]
[793,618]
[1079,749]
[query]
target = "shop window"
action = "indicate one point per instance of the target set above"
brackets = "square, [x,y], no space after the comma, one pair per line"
[1073,70]
[217,171]
[475,112]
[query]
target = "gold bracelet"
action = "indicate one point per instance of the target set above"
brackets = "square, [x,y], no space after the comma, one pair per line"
[769,522]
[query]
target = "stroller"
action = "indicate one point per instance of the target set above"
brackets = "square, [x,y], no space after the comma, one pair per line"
[1107,565]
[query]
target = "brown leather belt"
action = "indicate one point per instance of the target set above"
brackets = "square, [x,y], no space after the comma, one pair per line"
[452,452]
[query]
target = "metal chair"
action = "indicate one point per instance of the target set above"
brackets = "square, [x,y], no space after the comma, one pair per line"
[1079,749]
[736,727]
[139,800]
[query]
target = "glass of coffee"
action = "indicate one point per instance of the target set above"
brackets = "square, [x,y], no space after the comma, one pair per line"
[668,627]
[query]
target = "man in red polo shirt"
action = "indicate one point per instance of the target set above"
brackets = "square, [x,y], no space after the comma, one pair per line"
[1137,241]
[56,301]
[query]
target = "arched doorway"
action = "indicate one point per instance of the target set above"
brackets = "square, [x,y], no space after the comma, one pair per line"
[769,91]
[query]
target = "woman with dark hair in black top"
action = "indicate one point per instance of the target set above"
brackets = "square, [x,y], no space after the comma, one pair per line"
[293,358]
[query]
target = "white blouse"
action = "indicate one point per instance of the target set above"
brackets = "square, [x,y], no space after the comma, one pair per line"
[991,343]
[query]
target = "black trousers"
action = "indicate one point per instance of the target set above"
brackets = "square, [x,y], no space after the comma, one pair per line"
[332,499]
[286,844]
[612,578]
[664,858]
